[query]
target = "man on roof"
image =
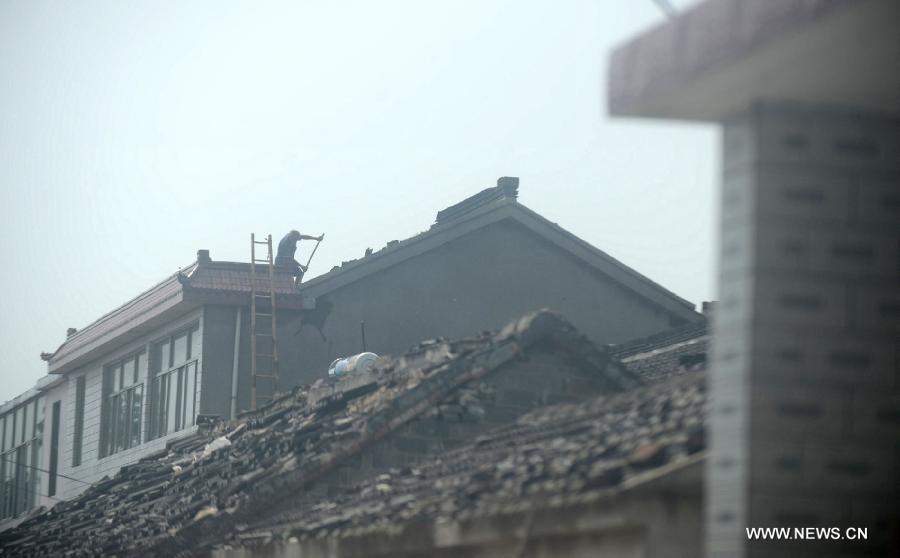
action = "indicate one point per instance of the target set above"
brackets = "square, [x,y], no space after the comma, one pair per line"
[287,247]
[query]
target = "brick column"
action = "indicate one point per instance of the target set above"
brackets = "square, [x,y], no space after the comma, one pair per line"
[805,410]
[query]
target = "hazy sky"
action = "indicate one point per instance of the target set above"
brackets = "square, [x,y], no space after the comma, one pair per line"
[134,133]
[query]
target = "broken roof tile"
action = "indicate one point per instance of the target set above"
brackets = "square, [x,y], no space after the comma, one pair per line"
[258,486]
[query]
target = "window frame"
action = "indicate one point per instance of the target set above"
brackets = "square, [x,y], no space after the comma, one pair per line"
[122,405]
[166,368]
[20,457]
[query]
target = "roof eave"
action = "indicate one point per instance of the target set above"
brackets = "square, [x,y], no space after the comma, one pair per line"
[169,309]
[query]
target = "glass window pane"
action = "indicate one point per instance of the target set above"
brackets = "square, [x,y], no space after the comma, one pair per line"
[3,486]
[111,425]
[21,477]
[9,439]
[128,378]
[156,358]
[107,381]
[136,408]
[190,394]
[17,432]
[35,486]
[122,426]
[28,423]
[172,397]
[180,349]
[39,417]
[3,426]
[196,342]
[161,408]
[142,367]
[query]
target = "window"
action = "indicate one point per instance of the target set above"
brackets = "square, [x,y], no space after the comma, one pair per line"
[174,364]
[78,435]
[122,407]
[22,432]
[54,449]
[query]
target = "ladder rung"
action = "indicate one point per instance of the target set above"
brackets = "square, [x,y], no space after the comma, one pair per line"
[269,376]
[260,261]
[264,334]
[260,242]
[265,355]
[262,295]
[263,314]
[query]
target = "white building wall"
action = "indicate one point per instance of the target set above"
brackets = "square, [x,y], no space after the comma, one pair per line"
[92,467]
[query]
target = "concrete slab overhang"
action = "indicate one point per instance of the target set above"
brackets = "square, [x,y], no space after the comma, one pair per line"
[722,56]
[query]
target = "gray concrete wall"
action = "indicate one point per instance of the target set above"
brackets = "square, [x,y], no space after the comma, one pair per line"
[218,357]
[478,282]
[805,388]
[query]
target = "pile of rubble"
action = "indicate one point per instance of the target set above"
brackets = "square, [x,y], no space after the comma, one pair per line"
[551,457]
[216,485]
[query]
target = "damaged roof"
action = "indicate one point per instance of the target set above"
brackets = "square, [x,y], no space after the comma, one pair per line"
[559,456]
[666,354]
[203,282]
[205,488]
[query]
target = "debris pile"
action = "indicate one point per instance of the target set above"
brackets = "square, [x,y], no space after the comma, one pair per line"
[216,484]
[551,457]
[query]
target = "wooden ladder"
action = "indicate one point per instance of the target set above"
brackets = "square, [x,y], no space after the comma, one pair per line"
[263,365]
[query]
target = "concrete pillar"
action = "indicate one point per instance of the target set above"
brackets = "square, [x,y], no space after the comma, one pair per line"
[805,417]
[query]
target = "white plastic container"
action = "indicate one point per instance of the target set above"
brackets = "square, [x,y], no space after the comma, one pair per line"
[363,362]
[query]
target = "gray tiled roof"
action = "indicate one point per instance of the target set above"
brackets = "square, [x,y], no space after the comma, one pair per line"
[666,354]
[552,457]
[250,492]
[235,277]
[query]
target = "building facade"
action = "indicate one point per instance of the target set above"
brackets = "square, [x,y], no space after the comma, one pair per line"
[140,376]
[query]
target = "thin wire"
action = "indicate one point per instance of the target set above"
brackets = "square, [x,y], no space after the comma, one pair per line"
[58,474]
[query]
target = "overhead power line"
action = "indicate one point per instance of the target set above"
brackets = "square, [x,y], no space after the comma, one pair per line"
[16,463]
